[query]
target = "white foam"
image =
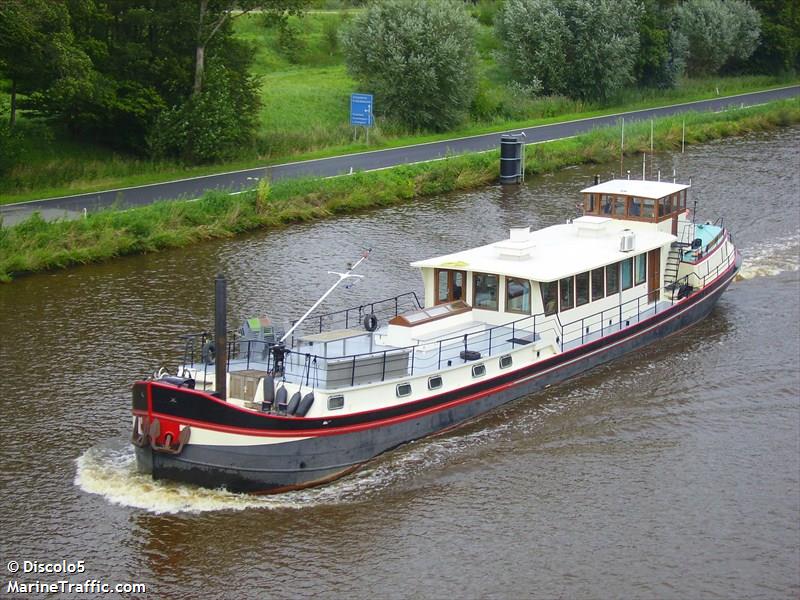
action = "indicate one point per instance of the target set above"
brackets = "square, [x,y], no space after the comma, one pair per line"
[109,470]
[771,258]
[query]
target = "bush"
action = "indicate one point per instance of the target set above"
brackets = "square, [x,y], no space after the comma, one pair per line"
[717,32]
[11,146]
[534,35]
[581,48]
[417,57]
[212,125]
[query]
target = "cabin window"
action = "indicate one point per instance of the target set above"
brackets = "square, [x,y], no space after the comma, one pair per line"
[619,206]
[403,389]
[518,295]
[449,285]
[591,203]
[485,295]
[549,297]
[635,207]
[607,202]
[582,288]
[641,269]
[506,361]
[627,273]
[612,279]
[598,281]
[434,383]
[478,370]
[648,208]
[567,293]
[335,402]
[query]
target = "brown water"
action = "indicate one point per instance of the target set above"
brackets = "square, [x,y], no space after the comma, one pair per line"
[674,473]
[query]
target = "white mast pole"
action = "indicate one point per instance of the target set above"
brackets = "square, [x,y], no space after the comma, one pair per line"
[342,277]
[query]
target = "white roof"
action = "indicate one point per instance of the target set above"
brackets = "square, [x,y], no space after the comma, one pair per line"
[554,252]
[637,187]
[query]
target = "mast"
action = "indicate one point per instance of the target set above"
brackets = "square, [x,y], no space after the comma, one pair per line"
[342,277]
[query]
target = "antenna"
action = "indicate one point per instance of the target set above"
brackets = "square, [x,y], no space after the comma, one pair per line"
[342,276]
[644,160]
[659,174]
[674,176]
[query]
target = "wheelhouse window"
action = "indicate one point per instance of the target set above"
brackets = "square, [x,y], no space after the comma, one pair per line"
[591,203]
[582,288]
[641,269]
[518,295]
[598,284]
[566,294]
[648,208]
[449,285]
[606,204]
[485,291]
[619,206]
[612,279]
[665,206]
[635,207]
[549,297]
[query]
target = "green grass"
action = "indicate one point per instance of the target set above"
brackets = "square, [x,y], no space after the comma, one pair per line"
[305,115]
[36,245]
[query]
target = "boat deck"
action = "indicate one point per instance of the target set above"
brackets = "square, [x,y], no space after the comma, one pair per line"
[347,357]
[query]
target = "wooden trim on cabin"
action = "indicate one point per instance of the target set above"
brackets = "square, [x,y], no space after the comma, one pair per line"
[420,317]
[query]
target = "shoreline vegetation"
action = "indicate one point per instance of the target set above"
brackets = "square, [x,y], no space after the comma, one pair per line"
[36,245]
[55,166]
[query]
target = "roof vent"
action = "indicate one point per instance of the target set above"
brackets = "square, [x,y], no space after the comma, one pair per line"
[627,242]
[518,246]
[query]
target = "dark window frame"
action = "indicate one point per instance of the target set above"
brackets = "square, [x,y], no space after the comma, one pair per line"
[530,296]
[602,295]
[475,291]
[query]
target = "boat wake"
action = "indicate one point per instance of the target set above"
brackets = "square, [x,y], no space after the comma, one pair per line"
[109,470]
[771,258]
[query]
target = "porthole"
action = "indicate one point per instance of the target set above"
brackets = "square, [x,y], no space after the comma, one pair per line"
[506,361]
[478,370]
[403,389]
[434,383]
[335,402]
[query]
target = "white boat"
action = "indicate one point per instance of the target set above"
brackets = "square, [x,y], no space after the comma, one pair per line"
[497,322]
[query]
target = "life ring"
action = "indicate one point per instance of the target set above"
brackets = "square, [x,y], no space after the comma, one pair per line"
[208,352]
[370,322]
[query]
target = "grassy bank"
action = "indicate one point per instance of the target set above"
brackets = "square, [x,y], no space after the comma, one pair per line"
[305,88]
[36,245]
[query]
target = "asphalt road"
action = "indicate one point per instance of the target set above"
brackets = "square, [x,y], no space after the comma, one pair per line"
[194,187]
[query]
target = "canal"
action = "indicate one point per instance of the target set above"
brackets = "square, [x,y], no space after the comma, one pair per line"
[671,473]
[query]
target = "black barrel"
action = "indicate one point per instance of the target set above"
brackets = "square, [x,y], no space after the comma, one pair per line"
[511,157]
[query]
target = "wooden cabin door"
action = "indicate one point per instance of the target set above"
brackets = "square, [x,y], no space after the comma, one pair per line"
[653,274]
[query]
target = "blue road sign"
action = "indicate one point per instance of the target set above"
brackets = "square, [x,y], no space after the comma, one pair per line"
[361,109]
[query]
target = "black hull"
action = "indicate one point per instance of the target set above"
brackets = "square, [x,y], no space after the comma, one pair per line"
[320,458]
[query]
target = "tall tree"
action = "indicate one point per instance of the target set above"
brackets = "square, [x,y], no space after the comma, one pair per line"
[35,44]
[214,15]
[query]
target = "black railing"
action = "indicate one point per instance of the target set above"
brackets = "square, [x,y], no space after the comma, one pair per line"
[354,316]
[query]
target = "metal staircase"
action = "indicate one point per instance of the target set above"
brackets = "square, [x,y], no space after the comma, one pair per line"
[673,264]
